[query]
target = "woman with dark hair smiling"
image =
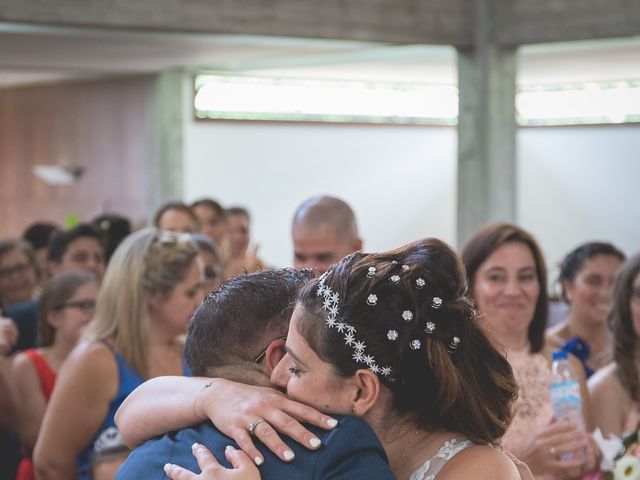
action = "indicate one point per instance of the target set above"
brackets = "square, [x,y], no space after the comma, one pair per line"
[586,275]
[508,281]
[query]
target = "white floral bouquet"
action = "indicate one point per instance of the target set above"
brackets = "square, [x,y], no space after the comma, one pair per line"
[620,457]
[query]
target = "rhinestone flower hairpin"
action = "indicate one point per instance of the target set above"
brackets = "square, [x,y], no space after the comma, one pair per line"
[330,305]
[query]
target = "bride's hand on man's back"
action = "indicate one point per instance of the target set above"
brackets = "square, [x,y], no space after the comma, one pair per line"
[243,468]
[233,407]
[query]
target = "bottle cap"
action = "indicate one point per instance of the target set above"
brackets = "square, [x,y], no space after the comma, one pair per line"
[560,355]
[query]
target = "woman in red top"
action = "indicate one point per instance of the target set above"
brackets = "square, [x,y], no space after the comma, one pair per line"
[66,307]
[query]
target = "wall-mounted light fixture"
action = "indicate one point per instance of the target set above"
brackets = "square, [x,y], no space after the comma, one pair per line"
[58,175]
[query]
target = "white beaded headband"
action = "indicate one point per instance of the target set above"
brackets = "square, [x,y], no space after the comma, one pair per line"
[330,306]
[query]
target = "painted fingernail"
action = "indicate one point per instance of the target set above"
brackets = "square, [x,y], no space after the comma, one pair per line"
[288,455]
[168,467]
[258,461]
[332,422]
[315,442]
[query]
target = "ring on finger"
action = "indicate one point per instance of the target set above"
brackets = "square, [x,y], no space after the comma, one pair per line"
[253,425]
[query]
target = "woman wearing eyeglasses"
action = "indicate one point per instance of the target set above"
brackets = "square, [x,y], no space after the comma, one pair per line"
[66,307]
[615,390]
[18,273]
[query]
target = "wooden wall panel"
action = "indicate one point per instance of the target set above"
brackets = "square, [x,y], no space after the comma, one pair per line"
[100,125]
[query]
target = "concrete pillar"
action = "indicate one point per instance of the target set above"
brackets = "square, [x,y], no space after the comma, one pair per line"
[486,130]
[166,121]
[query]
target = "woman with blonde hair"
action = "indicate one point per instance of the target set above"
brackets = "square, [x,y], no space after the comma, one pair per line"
[148,295]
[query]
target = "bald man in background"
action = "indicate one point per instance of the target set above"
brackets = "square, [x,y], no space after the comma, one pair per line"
[324,230]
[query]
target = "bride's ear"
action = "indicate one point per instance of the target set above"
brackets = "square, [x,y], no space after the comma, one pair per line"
[367,391]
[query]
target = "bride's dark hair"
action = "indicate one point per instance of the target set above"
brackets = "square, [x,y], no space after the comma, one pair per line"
[455,379]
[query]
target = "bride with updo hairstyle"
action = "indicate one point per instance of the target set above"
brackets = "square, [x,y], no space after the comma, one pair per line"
[390,338]
[409,308]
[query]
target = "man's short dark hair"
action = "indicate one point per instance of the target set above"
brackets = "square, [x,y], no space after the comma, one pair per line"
[60,243]
[114,228]
[177,206]
[209,203]
[239,319]
[239,211]
[39,234]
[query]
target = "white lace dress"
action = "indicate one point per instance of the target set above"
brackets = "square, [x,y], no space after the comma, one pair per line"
[430,469]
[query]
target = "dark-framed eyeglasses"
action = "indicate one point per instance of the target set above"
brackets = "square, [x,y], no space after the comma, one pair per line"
[86,306]
[260,357]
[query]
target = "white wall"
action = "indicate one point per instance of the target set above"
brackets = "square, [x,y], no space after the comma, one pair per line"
[575,183]
[399,180]
[578,184]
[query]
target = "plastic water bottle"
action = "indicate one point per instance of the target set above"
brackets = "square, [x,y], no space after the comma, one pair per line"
[565,395]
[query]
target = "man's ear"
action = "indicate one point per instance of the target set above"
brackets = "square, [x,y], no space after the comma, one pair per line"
[367,391]
[275,352]
[357,244]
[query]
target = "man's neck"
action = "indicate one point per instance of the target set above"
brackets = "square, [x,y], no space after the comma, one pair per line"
[243,372]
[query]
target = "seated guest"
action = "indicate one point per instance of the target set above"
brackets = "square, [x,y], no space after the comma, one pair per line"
[239,230]
[212,270]
[176,217]
[66,307]
[508,282]
[586,275]
[324,230]
[213,221]
[18,272]
[242,258]
[39,235]
[149,293]
[77,250]
[392,339]
[615,389]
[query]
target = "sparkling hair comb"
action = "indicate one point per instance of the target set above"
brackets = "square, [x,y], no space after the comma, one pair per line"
[330,305]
